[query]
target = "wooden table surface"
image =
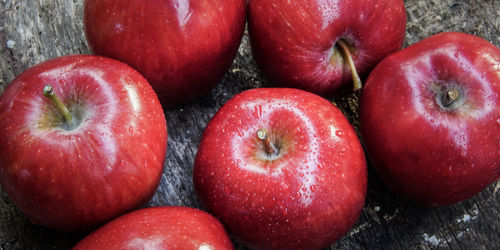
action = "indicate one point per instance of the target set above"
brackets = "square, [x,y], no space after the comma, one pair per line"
[36,30]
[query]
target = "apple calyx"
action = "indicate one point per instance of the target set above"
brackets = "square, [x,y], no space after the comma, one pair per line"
[48,92]
[263,136]
[346,54]
[449,97]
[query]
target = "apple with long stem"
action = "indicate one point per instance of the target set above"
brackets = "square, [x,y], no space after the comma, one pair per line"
[179,228]
[430,118]
[322,45]
[83,141]
[282,169]
[183,47]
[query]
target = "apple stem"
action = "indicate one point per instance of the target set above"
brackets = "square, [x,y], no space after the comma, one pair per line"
[48,92]
[347,56]
[450,96]
[263,135]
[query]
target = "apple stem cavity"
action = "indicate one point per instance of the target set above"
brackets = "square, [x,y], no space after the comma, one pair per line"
[450,96]
[263,135]
[348,57]
[48,92]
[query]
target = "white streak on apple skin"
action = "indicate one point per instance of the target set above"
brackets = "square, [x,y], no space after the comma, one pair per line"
[147,243]
[157,242]
[205,247]
[183,12]
[308,179]
[329,10]
[58,72]
[415,75]
[109,142]
[134,98]
[495,65]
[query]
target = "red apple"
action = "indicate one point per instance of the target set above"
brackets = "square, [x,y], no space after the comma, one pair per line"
[179,228]
[91,150]
[183,47]
[430,117]
[282,169]
[307,44]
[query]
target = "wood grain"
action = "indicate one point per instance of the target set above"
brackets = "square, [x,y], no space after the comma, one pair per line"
[36,30]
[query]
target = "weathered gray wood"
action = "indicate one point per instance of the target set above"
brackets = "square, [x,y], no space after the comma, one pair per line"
[36,30]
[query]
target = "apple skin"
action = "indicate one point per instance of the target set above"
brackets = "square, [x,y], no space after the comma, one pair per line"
[183,47]
[422,150]
[110,163]
[294,42]
[306,197]
[181,228]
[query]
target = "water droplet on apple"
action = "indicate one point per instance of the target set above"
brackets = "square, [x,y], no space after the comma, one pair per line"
[284,211]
